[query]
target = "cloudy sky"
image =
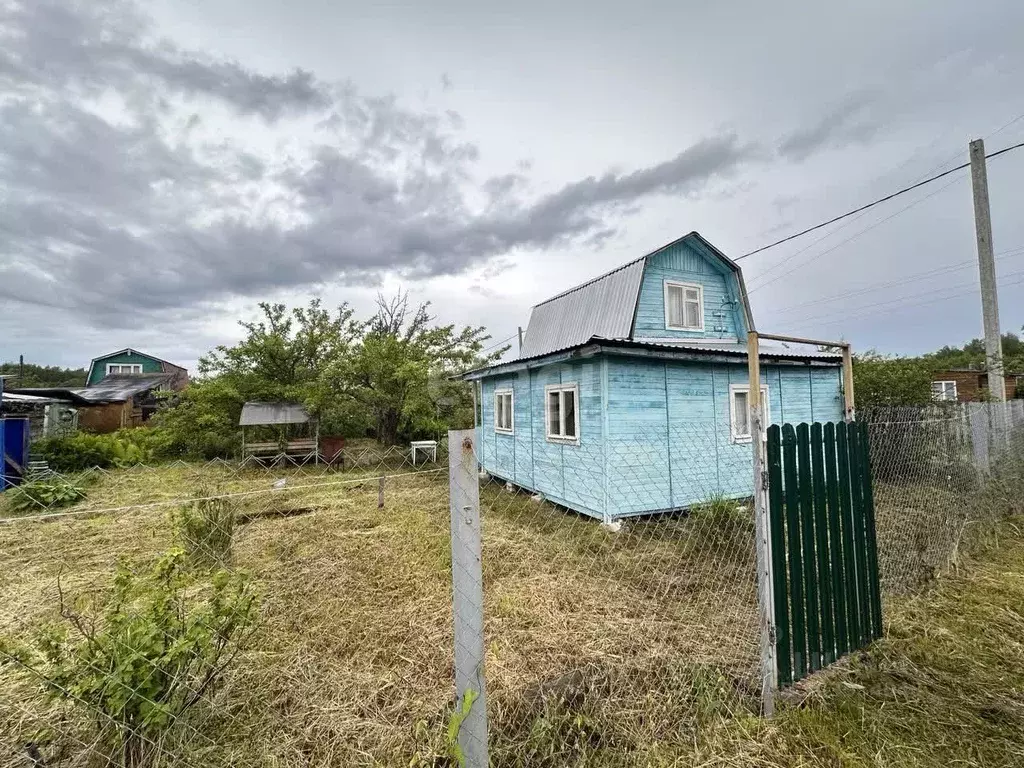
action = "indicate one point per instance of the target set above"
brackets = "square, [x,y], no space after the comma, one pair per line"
[165,165]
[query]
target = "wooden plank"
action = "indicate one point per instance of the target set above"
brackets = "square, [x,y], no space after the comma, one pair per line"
[872,540]
[835,540]
[803,449]
[849,559]
[859,536]
[777,516]
[796,569]
[828,647]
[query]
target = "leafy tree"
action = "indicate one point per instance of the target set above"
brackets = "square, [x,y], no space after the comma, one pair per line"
[887,380]
[972,354]
[400,372]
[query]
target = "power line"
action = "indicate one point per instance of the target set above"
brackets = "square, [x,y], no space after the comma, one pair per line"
[908,279]
[498,344]
[872,204]
[851,237]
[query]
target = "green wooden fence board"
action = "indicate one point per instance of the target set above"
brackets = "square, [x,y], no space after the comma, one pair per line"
[777,519]
[795,548]
[835,540]
[872,540]
[849,558]
[821,531]
[859,535]
[803,450]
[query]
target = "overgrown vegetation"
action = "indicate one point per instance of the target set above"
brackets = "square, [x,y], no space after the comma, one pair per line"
[126,670]
[42,495]
[31,375]
[205,528]
[83,450]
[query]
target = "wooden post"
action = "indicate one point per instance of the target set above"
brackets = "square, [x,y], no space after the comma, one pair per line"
[380,493]
[468,595]
[766,598]
[848,411]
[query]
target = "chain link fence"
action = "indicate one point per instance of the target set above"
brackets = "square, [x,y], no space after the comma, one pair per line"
[268,613]
[298,614]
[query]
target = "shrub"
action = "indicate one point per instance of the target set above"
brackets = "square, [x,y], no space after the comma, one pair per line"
[83,450]
[205,528]
[43,494]
[157,648]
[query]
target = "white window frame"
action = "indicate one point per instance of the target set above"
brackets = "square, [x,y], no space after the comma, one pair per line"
[134,368]
[562,438]
[942,396]
[511,395]
[700,306]
[765,400]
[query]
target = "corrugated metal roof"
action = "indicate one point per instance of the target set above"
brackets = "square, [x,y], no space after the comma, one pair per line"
[730,348]
[110,389]
[601,307]
[257,414]
[11,397]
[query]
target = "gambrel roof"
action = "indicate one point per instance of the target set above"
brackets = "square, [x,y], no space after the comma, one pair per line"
[605,306]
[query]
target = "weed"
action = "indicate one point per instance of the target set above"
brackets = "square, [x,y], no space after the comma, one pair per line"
[205,528]
[40,496]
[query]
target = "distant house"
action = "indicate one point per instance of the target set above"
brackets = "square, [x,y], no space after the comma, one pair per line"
[121,390]
[630,393]
[967,385]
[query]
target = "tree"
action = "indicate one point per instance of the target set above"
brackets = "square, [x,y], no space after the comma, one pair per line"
[401,370]
[886,380]
[972,354]
[29,375]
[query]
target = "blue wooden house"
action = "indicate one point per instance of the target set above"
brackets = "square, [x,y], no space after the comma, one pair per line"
[629,395]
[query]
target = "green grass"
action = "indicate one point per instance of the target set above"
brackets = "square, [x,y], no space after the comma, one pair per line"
[604,649]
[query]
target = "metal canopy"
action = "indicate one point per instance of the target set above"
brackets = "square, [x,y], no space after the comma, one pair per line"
[260,414]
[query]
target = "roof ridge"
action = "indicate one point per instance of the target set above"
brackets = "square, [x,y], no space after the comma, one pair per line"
[591,281]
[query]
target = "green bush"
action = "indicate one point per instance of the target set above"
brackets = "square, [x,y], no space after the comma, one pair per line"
[84,450]
[157,647]
[38,496]
[205,528]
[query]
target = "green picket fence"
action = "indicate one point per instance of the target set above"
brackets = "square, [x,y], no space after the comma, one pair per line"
[824,551]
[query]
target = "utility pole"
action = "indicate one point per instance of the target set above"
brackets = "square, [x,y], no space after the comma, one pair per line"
[987,270]
[520,340]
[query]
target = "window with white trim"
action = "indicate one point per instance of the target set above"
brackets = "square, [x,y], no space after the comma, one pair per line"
[944,390]
[562,412]
[739,411]
[684,306]
[124,368]
[504,415]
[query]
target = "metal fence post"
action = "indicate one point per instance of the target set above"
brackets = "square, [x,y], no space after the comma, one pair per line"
[765,590]
[468,597]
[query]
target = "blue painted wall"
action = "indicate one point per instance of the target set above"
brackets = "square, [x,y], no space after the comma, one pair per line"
[688,262]
[654,435]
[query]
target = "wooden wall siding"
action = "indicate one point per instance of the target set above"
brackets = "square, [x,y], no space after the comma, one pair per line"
[99,368]
[683,262]
[655,435]
[639,477]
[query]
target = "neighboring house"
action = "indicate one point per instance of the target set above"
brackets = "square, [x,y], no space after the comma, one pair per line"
[630,393]
[121,390]
[131,362]
[968,385]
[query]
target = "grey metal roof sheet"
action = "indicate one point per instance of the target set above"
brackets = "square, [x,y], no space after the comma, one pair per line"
[110,389]
[733,348]
[601,307]
[257,414]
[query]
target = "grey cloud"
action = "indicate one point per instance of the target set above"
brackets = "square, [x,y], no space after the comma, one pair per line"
[849,123]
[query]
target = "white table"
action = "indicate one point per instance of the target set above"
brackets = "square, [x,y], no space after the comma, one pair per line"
[423,445]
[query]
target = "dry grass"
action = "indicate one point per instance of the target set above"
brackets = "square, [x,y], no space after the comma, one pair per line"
[352,663]
[605,649]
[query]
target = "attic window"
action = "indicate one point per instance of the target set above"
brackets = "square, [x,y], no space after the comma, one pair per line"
[123,369]
[504,419]
[684,306]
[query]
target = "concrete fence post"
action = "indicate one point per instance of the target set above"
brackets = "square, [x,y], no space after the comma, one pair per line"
[979,435]
[468,597]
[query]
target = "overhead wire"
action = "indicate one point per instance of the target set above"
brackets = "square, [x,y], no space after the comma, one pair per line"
[874,203]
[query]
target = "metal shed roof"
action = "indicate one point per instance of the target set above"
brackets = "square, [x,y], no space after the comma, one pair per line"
[110,389]
[257,414]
